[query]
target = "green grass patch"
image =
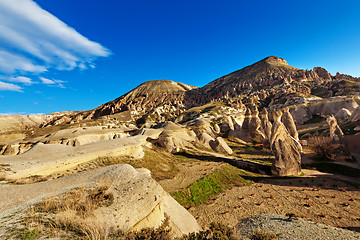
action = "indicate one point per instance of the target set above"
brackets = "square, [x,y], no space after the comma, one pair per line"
[210,185]
[30,234]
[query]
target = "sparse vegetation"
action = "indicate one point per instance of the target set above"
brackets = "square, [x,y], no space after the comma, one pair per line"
[210,185]
[71,213]
[261,235]
[215,231]
[321,145]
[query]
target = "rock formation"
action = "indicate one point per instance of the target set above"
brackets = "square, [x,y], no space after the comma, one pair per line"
[343,114]
[289,123]
[266,124]
[247,120]
[355,116]
[220,146]
[337,137]
[174,137]
[138,201]
[255,126]
[287,150]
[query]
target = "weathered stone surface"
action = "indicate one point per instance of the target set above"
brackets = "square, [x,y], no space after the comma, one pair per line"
[255,126]
[266,124]
[174,137]
[220,146]
[289,123]
[287,150]
[355,116]
[337,137]
[247,119]
[205,139]
[227,125]
[343,114]
[138,200]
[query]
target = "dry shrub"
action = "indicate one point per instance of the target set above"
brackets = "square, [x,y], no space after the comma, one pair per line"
[80,200]
[261,235]
[74,212]
[95,228]
[160,233]
[321,145]
[215,231]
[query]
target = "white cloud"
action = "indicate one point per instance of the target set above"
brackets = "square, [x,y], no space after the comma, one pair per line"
[32,41]
[20,79]
[46,81]
[9,87]
[54,82]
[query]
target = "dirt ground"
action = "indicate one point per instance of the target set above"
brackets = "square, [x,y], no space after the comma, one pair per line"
[189,172]
[320,199]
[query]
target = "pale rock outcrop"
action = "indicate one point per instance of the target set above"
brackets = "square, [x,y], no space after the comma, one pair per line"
[287,150]
[355,116]
[266,124]
[174,137]
[255,126]
[205,139]
[216,128]
[220,146]
[247,119]
[301,114]
[201,126]
[336,134]
[343,114]
[337,137]
[289,123]
[138,200]
[227,125]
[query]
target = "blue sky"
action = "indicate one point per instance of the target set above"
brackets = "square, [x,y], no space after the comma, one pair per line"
[76,55]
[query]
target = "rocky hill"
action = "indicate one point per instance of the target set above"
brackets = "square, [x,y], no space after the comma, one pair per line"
[166,94]
[271,82]
[271,79]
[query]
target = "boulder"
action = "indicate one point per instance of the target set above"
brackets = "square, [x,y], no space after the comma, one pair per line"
[355,116]
[343,114]
[174,137]
[287,150]
[220,146]
[205,139]
[227,125]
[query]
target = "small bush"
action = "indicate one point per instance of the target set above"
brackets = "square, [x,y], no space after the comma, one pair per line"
[216,231]
[322,146]
[261,235]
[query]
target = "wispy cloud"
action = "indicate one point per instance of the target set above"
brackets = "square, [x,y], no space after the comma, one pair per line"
[33,41]
[10,87]
[53,82]
[21,79]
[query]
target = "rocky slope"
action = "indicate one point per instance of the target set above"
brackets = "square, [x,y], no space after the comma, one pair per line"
[159,97]
[272,79]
